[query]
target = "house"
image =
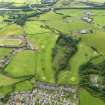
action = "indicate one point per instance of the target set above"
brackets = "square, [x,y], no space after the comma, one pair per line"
[87,19]
[84,31]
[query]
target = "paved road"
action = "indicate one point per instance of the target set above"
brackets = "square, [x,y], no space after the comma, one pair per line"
[6,9]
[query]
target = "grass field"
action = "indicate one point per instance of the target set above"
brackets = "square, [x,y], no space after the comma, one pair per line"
[82,56]
[34,27]
[45,42]
[23,64]
[4,80]
[95,40]
[99,1]
[98,59]
[87,99]
[11,29]
[21,1]
[5,90]
[23,86]
[10,42]
[73,24]
[4,52]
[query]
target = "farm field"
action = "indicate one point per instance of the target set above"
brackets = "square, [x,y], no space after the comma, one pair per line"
[23,64]
[10,42]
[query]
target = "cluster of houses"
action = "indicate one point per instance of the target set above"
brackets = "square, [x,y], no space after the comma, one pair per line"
[96,81]
[45,94]
[87,17]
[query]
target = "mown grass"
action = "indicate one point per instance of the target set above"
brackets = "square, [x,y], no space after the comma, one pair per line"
[95,40]
[97,60]
[23,64]
[21,1]
[98,1]
[4,80]
[87,99]
[44,42]
[11,29]
[34,27]
[71,76]
[23,86]
[4,90]
[4,52]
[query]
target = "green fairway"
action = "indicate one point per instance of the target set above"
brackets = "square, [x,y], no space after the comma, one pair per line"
[44,42]
[82,56]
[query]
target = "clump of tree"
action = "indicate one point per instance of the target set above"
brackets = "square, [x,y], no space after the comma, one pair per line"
[19,19]
[90,68]
[62,52]
[22,18]
[5,99]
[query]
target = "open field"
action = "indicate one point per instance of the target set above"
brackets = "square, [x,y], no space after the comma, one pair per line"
[12,29]
[18,1]
[45,43]
[4,80]
[87,99]
[10,42]
[23,64]
[75,62]
[21,1]
[23,86]
[99,1]
[58,22]
[34,27]
[95,40]
[4,52]
[5,90]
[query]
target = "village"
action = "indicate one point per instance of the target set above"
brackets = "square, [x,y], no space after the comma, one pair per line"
[45,94]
